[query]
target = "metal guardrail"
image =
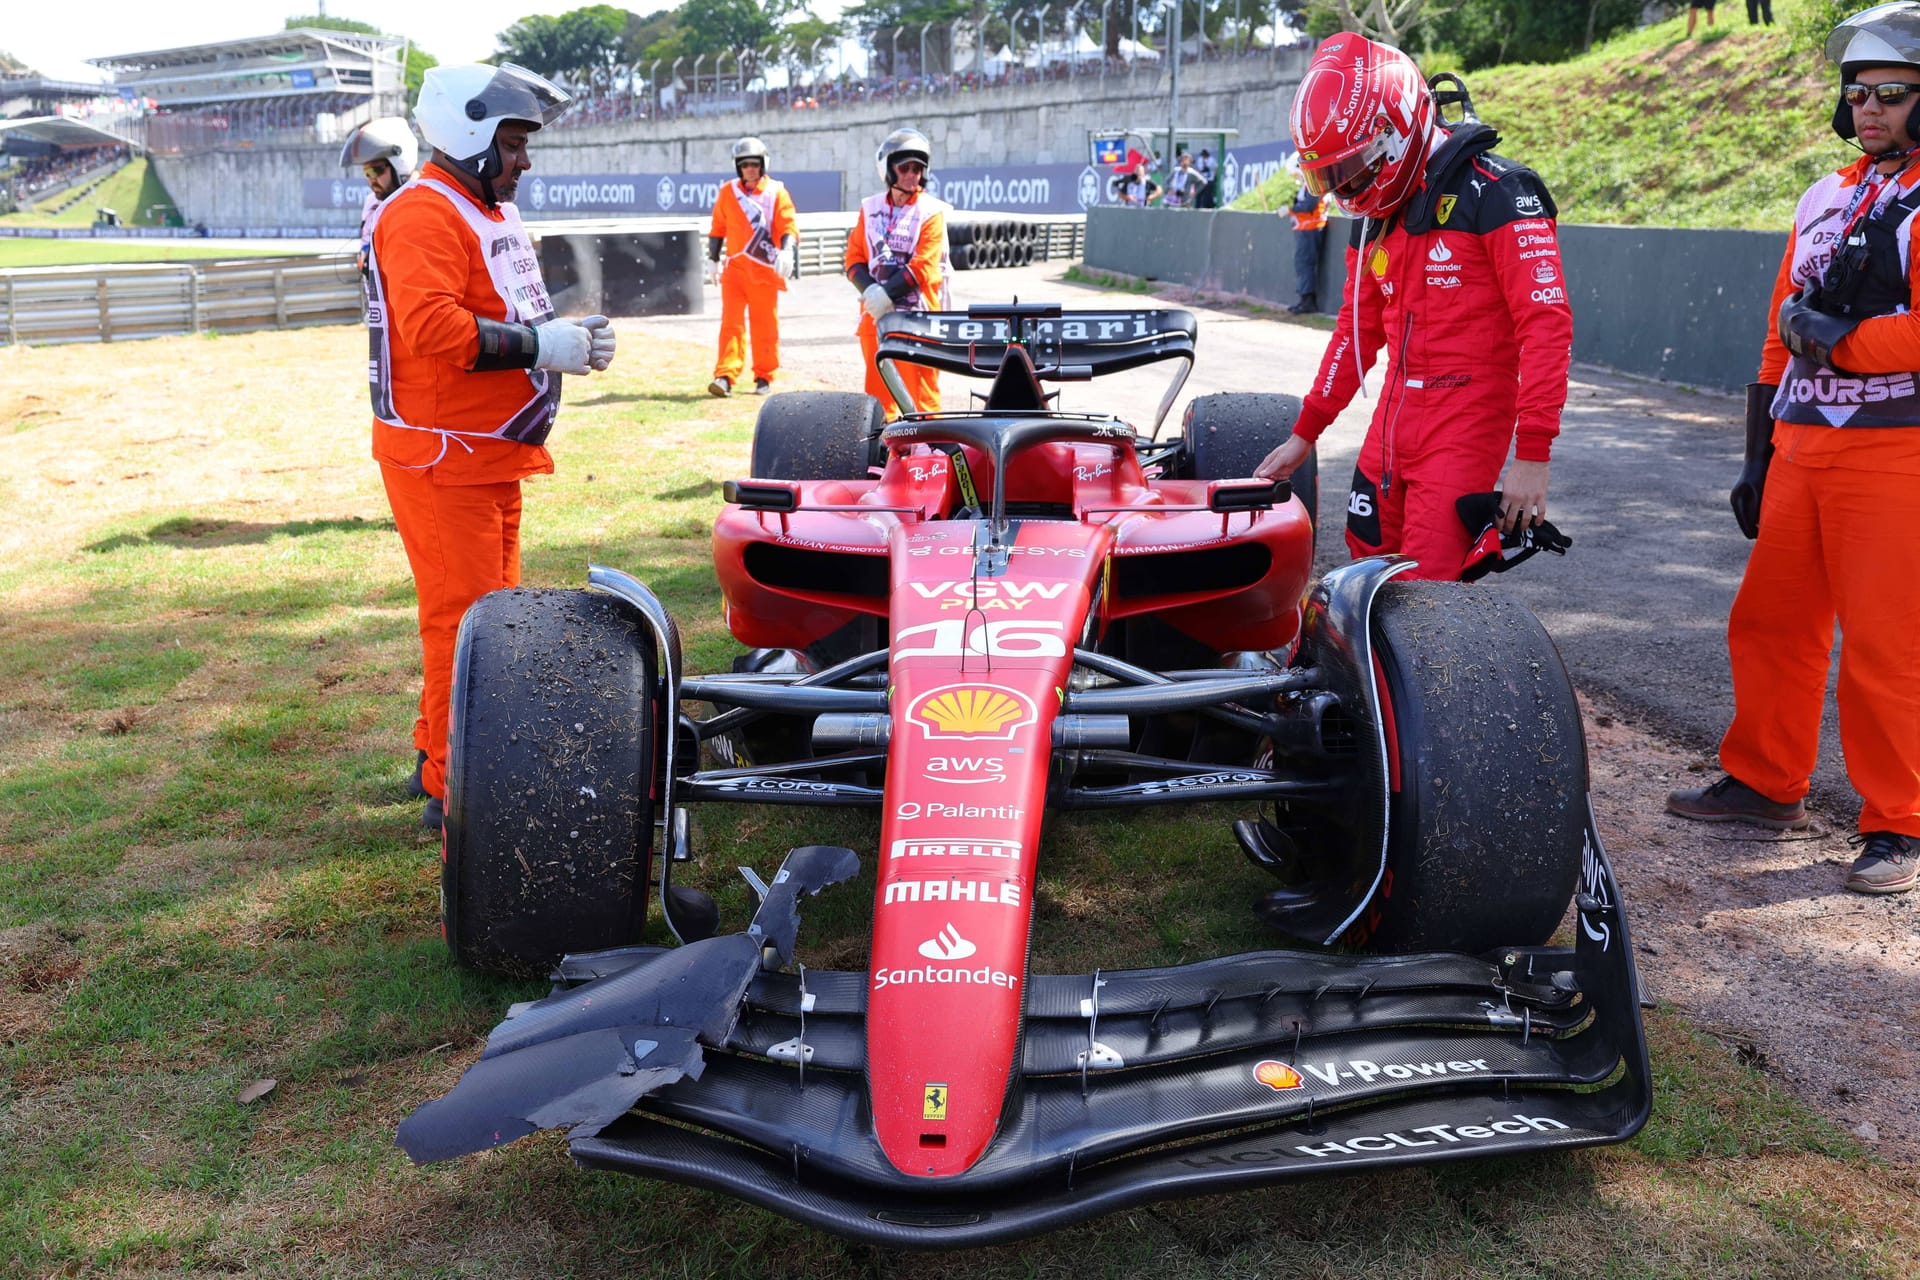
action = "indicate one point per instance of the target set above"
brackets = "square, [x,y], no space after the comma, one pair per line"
[114,303]
[823,237]
[42,306]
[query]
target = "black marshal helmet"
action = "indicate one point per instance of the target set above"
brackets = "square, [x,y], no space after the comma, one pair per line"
[1887,35]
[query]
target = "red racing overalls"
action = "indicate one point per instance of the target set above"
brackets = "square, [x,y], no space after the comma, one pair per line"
[1463,285]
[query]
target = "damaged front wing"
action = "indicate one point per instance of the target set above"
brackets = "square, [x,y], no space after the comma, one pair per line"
[702,1066]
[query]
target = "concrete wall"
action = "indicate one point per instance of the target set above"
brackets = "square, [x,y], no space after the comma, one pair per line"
[1684,306]
[1015,125]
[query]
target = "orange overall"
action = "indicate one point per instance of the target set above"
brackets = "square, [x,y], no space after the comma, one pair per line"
[913,239]
[456,500]
[1839,540]
[749,288]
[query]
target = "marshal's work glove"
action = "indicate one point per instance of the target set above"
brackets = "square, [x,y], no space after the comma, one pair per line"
[1811,333]
[602,330]
[566,346]
[876,301]
[786,262]
[1752,484]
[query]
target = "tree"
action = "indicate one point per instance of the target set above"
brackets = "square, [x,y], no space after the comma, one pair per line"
[1393,22]
[418,59]
[643,33]
[576,41]
[1486,33]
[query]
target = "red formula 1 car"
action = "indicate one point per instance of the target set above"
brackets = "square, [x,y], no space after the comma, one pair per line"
[965,620]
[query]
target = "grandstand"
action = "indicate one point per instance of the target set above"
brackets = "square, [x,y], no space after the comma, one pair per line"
[291,88]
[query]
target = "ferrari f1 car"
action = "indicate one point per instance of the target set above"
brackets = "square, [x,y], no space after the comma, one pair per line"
[965,620]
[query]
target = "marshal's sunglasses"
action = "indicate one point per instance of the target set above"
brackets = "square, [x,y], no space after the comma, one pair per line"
[1891,94]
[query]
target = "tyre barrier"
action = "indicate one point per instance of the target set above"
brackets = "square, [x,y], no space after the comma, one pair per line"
[984,243]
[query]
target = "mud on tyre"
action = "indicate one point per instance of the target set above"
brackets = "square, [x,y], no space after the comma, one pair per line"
[817,435]
[1229,433]
[550,766]
[1488,820]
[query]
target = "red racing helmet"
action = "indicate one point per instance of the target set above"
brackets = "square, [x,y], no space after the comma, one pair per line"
[1363,123]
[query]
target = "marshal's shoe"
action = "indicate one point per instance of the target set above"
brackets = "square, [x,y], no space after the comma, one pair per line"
[1731,800]
[1888,863]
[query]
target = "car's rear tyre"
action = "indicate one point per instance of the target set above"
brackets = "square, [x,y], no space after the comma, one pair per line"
[817,435]
[1488,822]
[1230,432]
[550,767]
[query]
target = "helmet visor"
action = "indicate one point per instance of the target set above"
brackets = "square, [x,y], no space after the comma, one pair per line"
[516,93]
[1349,175]
[363,148]
[1886,33]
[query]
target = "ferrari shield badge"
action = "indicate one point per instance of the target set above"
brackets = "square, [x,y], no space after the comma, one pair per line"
[1446,209]
[934,1105]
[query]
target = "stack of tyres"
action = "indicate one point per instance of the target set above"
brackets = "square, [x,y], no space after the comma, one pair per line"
[984,243]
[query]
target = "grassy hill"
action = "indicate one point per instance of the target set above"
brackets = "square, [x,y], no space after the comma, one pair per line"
[1650,128]
[134,191]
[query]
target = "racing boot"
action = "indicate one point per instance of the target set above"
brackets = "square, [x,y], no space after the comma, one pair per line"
[1888,863]
[1731,800]
[722,387]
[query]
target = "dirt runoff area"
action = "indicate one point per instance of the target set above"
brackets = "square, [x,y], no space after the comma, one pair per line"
[1752,935]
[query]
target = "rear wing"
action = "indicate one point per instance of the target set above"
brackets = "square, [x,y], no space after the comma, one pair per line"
[1060,346]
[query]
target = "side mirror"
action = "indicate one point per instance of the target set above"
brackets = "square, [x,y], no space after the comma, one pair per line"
[1248,495]
[761,495]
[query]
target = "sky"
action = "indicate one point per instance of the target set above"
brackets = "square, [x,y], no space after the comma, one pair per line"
[52,40]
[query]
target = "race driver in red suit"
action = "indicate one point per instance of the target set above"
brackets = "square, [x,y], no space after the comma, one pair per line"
[1455,268]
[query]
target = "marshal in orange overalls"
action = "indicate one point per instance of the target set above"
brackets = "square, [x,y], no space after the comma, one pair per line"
[751,224]
[456,499]
[1839,541]
[911,237]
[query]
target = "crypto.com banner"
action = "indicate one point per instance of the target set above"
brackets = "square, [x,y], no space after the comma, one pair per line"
[1075,188]
[1246,167]
[547,195]
[1030,188]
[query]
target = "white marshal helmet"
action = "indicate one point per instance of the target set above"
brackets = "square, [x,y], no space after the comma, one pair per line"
[389,138]
[902,144]
[462,107]
[749,148]
[1886,35]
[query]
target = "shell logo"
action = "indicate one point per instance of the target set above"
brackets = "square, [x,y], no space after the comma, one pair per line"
[1378,263]
[972,711]
[1277,1076]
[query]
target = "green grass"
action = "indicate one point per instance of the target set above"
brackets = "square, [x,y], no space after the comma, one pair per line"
[1650,128]
[134,191]
[210,876]
[66,253]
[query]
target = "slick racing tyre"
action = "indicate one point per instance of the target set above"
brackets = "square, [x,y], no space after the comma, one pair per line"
[817,435]
[550,764]
[1230,432]
[1488,820]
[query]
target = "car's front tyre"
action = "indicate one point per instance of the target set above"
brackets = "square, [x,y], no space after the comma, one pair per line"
[550,768]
